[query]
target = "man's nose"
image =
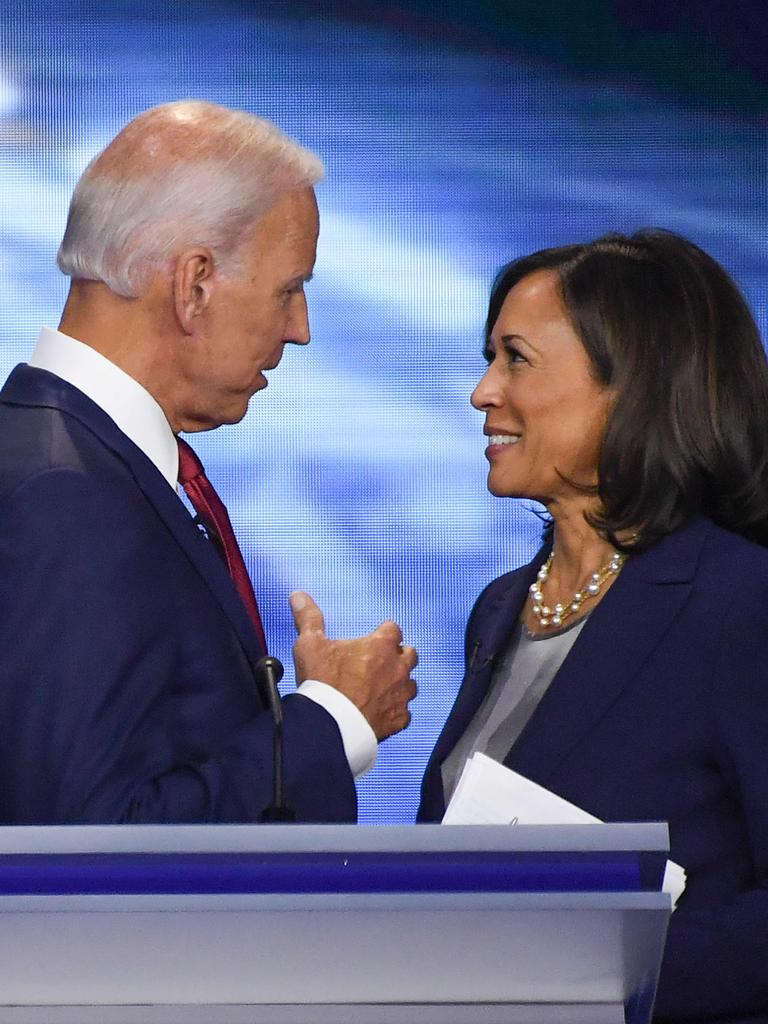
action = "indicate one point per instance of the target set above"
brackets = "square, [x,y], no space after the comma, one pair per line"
[297,328]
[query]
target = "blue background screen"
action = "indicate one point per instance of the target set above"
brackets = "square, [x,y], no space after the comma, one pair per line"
[455,137]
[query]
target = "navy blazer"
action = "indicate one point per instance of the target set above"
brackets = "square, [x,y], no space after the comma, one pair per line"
[127,685]
[660,712]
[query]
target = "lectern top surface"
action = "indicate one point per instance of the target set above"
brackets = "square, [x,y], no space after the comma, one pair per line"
[52,839]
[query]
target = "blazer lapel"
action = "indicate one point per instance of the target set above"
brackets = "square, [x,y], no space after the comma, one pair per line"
[619,636]
[496,621]
[200,551]
[33,387]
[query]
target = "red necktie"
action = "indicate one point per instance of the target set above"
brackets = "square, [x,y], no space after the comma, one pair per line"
[213,513]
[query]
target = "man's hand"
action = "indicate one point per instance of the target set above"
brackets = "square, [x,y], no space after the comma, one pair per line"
[373,671]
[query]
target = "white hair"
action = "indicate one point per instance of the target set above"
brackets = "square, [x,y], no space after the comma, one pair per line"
[182,174]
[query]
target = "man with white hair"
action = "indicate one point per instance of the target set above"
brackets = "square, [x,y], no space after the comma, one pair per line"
[129,638]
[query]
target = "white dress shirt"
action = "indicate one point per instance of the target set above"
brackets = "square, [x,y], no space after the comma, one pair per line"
[141,419]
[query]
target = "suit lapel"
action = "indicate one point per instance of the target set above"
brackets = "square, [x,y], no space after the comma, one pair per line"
[620,635]
[200,551]
[496,621]
[33,387]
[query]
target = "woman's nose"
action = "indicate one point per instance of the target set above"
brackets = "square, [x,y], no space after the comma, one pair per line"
[486,392]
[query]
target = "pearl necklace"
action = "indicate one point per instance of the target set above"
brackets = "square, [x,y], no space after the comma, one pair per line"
[556,616]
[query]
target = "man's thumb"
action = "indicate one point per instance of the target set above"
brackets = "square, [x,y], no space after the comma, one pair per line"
[306,615]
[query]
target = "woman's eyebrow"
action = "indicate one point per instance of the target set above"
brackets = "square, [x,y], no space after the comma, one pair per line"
[511,338]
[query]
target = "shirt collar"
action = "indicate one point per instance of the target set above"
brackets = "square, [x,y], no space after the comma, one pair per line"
[121,397]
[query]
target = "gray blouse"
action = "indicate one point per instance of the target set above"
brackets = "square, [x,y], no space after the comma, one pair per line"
[519,681]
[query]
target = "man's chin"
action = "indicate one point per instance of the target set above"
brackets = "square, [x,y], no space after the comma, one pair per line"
[237,413]
[240,402]
[221,418]
[230,409]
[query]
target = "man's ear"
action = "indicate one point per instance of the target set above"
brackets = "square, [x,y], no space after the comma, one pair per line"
[192,286]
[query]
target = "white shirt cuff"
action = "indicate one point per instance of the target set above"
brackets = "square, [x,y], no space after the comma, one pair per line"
[358,737]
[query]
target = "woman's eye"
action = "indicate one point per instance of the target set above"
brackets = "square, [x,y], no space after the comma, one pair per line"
[514,355]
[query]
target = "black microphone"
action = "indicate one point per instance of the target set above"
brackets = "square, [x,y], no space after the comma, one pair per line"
[270,671]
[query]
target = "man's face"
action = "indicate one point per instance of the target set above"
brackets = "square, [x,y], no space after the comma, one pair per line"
[254,309]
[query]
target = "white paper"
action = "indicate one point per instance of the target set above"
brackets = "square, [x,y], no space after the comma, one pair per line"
[487,793]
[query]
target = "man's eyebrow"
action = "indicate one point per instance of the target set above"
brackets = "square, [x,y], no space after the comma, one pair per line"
[299,279]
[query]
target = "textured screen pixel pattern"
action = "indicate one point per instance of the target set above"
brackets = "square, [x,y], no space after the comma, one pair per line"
[359,474]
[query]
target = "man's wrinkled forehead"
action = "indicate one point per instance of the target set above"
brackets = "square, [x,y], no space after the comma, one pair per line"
[291,225]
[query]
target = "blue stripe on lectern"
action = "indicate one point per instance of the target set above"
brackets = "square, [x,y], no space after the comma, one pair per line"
[48,874]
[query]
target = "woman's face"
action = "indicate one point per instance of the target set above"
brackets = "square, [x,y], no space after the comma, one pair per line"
[545,412]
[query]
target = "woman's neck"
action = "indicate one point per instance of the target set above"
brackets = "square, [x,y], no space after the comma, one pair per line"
[579,550]
[582,569]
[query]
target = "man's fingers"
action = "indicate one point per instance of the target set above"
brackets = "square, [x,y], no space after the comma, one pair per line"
[306,615]
[411,657]
[390,631]
[402,718]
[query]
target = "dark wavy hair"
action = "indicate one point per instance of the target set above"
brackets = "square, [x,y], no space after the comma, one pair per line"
[665,326]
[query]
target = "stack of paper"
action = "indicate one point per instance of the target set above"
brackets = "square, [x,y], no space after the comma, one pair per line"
[487,793]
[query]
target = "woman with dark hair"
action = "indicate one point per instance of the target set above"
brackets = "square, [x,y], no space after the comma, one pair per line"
[626,667]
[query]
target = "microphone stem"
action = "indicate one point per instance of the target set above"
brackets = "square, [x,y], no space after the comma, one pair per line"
[271,671]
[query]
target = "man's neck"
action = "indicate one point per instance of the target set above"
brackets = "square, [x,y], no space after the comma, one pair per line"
[126,331]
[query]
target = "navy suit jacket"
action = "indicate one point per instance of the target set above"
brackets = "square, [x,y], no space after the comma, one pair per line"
[127,685]
[660,712]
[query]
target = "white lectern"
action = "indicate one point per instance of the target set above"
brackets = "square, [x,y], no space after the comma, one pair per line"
[294,924]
